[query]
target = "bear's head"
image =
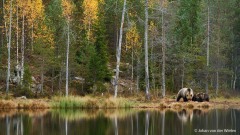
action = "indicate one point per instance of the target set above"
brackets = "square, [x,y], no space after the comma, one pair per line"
[189,94]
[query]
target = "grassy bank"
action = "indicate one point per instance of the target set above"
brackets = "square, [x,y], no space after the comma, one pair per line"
[88,102]
[99,102]
[24,104]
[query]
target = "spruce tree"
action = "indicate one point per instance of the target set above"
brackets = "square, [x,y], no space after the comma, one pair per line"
[98,69]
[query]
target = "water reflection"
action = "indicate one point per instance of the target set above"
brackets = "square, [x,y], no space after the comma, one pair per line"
[185,115]
[118,122]
[146,122]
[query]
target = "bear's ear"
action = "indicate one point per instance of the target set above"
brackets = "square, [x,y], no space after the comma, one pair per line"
[188,89]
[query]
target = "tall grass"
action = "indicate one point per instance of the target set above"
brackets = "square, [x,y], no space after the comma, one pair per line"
[23,104]
[91,103]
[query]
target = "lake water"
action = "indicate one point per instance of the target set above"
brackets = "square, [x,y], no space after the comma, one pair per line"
[120,122]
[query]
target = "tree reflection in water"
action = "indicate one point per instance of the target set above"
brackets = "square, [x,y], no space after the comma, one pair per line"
[118,122]
[163,123]
[146,122]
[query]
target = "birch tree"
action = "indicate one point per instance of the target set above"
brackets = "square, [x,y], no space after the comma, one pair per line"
[119,50]
[22,50]
[133,44]
[9,48]
[67,10]
[90,16]
[17,43]
[146,50]
[163,52]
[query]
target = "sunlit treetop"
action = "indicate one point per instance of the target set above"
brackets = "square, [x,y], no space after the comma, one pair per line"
[67,8]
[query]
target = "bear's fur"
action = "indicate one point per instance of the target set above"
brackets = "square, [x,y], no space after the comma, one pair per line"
[185,93]
[200,97]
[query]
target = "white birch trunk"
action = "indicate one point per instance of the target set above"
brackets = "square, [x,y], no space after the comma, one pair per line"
[152,66]
[163,56]
[119,51]
[146,50]
[9,49]
[68,42]
[235,78]
[22,51]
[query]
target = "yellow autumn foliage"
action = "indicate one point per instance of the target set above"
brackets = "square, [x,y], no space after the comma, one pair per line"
[67,9]
[133,38]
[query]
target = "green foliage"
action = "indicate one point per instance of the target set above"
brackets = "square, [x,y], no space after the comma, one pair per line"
[93,55]
[27,78]
[187,46]
[98,70]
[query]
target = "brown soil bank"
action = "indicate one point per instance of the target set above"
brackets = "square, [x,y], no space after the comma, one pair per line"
[109,102]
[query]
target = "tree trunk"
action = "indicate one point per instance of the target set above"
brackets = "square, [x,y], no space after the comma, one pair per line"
[132,73]
[9,50]
[235,78]
[163,56]
[138,72]
[217,70]
[17,42]
[208,40]
[22,50]
[146,50]
[68,42]
[60,80]
[119,51]
[152,67]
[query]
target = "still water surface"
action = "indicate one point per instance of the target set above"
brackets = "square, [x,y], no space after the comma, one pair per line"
[120,122]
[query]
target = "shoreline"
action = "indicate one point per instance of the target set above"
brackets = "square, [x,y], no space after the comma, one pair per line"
[87,102]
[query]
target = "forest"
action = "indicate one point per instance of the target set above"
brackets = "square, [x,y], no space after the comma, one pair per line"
[78,47]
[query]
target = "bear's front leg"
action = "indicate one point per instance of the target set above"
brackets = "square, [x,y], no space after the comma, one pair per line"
[185,99]
[178,98]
